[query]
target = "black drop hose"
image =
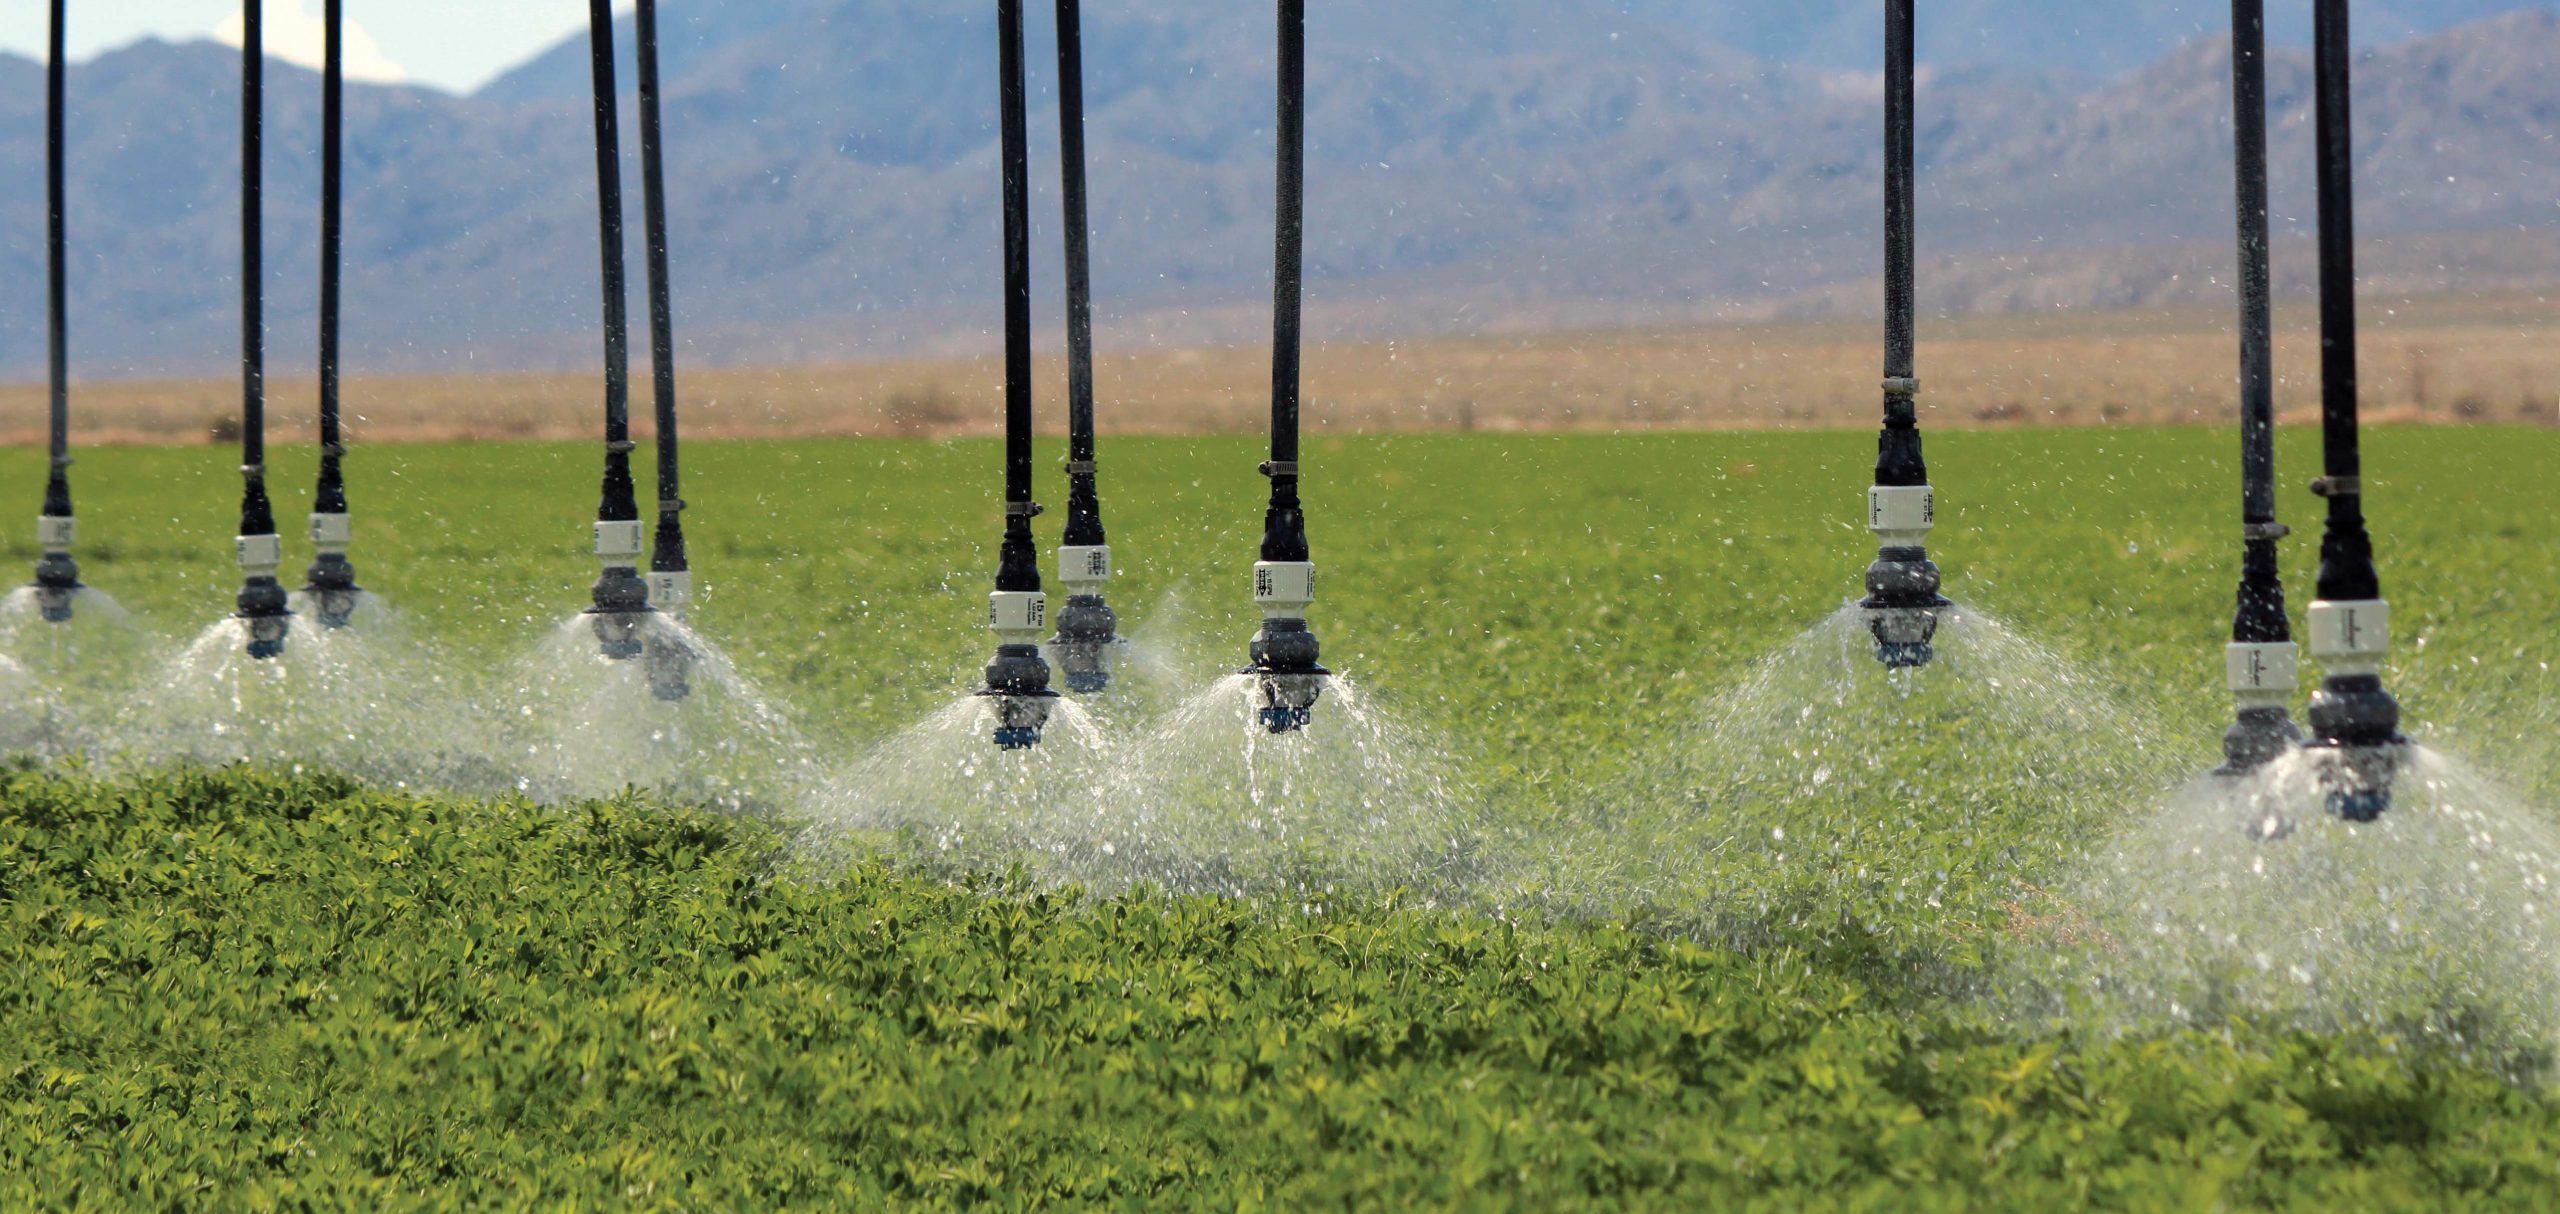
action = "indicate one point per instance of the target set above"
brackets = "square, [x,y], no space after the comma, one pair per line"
[620,596]
[330,588]
[57,489]
[1899,462]
[257,515]
[2346,557]
[261,602]
[2260,618]
[57,578]
[2352,713]
[1284,529]
[1018,569]
[1084,498]
[619,502]
[2262,661]
[332,495]
[668,553]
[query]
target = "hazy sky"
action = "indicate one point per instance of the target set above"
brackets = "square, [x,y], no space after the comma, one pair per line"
[451,44]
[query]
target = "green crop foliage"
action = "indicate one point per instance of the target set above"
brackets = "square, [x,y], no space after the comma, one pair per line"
[263,989]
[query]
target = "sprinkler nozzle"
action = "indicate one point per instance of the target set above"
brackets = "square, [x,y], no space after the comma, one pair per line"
[670,665]
[1903,603]
[53,603]
[57,575]
[2358,724]
[1018,678]
[330,583]
[1087,630]
[1905,636]
[1285,701]
[1287,680]
[2356,778]
[2352,716]
[261,601]
[334,605]
[1020,715]
[670,659]
[618,632]
[621,599]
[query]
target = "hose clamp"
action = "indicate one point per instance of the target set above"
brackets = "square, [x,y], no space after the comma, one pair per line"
[1080,467]
[1023,510]
[2264,531]
[253,471]
[1277,468]
[671,505]
[61,462]
[2338,486]
[621,447]
[1902,386]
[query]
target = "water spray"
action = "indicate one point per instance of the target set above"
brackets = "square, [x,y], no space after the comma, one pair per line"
[1287,680]
[1087,630]
[670,659]
[330,584]
[2352,716]
[621,603]
[2262,659]
[261,551]
[57,574]
[1902,603]
[1018,678]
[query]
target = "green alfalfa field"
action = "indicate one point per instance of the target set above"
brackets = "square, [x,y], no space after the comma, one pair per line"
[260,987]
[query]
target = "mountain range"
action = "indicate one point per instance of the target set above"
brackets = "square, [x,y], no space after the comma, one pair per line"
[1475,164]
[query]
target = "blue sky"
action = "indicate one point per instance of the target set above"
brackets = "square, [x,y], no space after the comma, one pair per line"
[455,45]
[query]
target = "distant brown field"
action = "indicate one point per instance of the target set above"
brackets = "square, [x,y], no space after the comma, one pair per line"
[2449,360]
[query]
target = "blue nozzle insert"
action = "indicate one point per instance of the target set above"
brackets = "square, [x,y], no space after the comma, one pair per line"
[2360,805]
[1905,656]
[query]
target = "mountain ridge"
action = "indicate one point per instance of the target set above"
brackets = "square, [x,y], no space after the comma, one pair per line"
[833,181]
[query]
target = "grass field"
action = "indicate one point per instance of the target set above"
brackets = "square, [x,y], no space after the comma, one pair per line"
[258,988]
[2430,358]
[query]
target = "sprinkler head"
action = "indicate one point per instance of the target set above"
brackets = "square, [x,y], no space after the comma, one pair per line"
[2263,676]
[57,575]
[1903,603]
[1903,606]
[618,633]
[2353,718]
[670,666]
[2260,736]
[670,659]
[1287,680]
[1018,682]
[336,608]
[1087,629]
[261,601]
[1087,634]
[53,603]
[1018,678]
[2358,724]
[262,608]
[1905,636]
[621,598]
[330,583]
[1286,703]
